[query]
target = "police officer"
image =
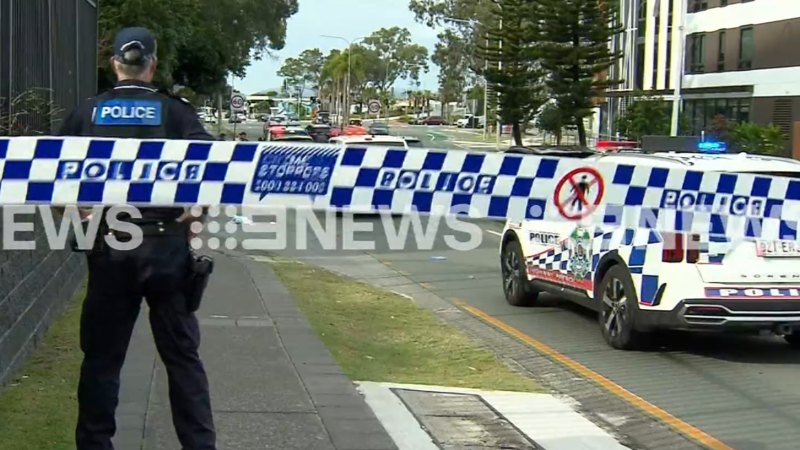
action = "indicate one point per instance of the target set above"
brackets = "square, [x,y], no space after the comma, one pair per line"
[155,270]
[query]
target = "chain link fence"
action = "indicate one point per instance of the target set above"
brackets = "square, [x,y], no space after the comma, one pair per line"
[48,62]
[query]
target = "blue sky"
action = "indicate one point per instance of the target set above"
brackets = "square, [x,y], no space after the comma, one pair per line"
[350,19]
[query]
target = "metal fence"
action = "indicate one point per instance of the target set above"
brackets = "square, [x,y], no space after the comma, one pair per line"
[48,62]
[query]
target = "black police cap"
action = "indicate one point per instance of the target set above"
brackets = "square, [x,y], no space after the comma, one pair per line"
[134,46]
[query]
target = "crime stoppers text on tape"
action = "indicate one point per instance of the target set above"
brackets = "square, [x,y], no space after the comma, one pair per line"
[88,171]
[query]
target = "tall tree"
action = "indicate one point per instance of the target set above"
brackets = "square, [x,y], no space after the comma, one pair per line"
[294,75]
[313,61]
[211,39]
[398,57]
[515,71]
[575,36]
[453,67]
[475,19]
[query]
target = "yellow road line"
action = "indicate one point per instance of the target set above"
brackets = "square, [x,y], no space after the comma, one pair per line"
[668,419]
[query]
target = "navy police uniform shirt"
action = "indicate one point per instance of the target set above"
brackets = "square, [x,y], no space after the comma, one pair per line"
[137,110]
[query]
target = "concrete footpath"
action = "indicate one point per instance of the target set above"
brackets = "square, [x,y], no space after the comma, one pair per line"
[273,383]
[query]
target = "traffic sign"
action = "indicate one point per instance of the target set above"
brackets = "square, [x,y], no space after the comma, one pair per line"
[237,102]
[374,106]
[578,193]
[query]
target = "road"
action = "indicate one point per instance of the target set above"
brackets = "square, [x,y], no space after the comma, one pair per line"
[738,389]
[432,137]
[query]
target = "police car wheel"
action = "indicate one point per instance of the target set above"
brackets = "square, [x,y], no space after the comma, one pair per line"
[618,310]
[516,286]
[793,339]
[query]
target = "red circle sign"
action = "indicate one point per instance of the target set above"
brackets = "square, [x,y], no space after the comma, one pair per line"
[579,192]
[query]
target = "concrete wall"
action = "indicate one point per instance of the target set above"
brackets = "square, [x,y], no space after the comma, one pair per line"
[35,286]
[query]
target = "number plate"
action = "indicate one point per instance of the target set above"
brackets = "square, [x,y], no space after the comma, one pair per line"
[778,249]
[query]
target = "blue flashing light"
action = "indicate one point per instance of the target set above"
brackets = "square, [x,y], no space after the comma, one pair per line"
[712,147]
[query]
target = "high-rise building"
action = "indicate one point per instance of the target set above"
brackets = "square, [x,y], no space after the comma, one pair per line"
[740,59]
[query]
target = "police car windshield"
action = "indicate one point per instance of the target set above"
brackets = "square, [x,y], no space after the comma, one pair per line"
[378,144]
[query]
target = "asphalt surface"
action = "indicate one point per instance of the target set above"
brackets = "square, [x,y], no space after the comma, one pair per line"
[739,389]
[450,138]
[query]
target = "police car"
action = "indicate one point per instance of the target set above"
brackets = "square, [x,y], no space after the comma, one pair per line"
[640,281]
[372,141]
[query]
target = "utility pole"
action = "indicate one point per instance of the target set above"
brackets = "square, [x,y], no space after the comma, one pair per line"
[219,114]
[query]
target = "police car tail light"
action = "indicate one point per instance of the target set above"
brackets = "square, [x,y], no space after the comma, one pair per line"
[673,248]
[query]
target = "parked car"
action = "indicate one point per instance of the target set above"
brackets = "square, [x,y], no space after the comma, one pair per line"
[413,142]
[293,121]
[323,117]
[275,121]
[281,133]
[373,141]
[319,132]
[378,129]
[353,130]
[641,280]
[434,120]
[462,122]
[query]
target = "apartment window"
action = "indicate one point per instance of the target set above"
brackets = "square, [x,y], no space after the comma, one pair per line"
[668,73]
[639,75]
[641,20]
[723,2]
[701,112]
[721,52]
[655,65]
[698,5]
[696,53]
[746,48]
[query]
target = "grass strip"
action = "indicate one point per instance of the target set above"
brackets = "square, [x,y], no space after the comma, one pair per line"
[38,409]
[376,335]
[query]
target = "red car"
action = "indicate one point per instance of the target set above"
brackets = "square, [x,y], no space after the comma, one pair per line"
[434,120]
[352,130]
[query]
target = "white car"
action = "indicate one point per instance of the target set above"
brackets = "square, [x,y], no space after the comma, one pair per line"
[640,280]
[461,123]
[375,141]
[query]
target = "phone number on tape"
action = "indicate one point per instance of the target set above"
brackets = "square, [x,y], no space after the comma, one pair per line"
[292,187]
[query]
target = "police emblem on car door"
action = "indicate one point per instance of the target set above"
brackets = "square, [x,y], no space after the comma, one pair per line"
[580,254]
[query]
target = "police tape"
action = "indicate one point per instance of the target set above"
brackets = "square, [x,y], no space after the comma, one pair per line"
[90,171]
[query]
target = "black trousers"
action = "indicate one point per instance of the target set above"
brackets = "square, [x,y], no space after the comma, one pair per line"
[118,280]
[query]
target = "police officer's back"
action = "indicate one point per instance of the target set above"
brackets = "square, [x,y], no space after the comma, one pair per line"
[156,270]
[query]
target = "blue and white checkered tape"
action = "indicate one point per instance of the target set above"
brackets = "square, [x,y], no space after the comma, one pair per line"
[68,171]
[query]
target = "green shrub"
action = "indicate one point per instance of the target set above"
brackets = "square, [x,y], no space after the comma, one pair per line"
[753,138]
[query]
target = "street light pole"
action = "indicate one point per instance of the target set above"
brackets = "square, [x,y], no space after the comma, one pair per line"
[499,68]
[677,98]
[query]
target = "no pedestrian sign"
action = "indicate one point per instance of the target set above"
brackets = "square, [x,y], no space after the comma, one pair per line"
[579,193]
